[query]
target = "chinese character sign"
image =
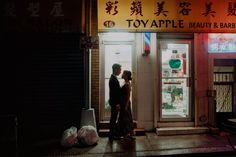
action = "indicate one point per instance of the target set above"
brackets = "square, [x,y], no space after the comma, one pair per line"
[167,15]
[43,16]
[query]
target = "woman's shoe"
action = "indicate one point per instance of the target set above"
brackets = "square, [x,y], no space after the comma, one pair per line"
[132,133]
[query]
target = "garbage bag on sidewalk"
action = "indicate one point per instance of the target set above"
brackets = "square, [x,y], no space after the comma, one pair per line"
[69,137]
[87,135]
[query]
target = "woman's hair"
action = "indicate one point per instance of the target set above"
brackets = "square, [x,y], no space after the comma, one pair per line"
[128,74]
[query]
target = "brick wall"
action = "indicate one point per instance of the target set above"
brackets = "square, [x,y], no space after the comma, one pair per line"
[95,70]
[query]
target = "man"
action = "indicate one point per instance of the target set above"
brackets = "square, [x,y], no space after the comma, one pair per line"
[114,100]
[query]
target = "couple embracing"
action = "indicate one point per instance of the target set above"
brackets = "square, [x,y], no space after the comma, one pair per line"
[121,121]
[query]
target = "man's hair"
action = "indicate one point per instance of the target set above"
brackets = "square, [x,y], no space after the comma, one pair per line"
[116,66]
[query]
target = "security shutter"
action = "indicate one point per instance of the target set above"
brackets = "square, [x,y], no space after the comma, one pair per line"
[49,83]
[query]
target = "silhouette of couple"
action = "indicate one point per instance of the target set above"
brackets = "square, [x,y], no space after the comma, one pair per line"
[121,121]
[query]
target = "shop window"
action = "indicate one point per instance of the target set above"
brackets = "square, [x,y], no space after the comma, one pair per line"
[221,43]
[223,85]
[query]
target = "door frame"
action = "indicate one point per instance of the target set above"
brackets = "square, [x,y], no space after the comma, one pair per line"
[103,43]
[176,38]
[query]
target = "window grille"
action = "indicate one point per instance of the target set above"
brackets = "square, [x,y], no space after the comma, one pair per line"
[223,85]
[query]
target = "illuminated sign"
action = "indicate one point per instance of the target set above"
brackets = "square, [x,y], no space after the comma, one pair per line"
[167,15]
[221,43]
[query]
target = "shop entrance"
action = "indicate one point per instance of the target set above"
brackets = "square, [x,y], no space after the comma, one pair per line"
[115,48]
[224,86]
[175,79]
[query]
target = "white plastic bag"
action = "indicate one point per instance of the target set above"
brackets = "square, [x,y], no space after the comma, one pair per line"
[87,135]
[69,137]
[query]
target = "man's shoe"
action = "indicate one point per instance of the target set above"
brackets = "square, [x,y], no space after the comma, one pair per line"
[116,138]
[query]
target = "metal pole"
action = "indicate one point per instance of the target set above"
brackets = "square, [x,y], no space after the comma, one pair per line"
[88,114]
[87,56]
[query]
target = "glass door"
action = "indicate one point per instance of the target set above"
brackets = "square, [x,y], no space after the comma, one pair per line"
[175,80]
[114,52]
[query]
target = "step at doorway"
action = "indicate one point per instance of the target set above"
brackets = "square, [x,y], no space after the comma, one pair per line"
[104,129]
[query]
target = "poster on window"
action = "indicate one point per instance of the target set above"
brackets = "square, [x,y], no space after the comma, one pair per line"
[174,60]
[174,97]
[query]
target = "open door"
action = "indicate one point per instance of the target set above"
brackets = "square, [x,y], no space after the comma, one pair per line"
[115,48]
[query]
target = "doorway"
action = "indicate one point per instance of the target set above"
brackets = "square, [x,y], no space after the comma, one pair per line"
[175,80]
[115,48]
[224,86]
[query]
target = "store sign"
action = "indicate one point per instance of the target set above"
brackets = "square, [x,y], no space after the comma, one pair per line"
[221,43]
[167,15]
[43,16]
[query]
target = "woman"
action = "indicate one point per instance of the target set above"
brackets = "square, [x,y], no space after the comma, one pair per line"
[125,118]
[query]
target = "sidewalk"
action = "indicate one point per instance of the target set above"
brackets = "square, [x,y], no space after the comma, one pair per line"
[153,145]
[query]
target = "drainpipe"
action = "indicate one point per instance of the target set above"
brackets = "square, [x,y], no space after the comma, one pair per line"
[88,114]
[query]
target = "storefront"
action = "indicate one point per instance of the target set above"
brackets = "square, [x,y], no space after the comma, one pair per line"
[172,48]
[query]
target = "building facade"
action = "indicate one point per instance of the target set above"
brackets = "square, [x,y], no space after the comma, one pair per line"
[179,67]
[175,62]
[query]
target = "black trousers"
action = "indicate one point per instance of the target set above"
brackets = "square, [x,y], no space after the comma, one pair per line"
[113,118]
